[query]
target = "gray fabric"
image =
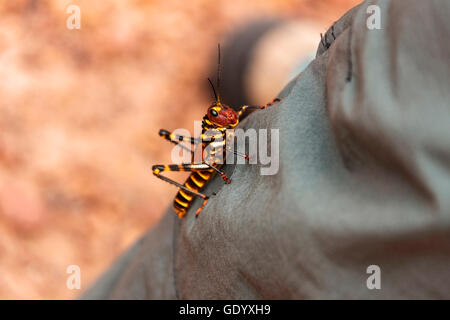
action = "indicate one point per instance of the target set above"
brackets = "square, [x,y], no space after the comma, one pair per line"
[364,180]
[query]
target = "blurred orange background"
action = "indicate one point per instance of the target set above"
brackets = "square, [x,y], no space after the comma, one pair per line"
[79,116]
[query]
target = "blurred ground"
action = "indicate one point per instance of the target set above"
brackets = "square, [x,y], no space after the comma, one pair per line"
[79,116]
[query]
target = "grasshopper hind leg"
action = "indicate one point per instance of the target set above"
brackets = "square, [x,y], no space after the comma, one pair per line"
[182,203]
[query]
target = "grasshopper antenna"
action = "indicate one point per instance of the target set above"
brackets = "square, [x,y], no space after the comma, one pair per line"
[218,74]
[214,90]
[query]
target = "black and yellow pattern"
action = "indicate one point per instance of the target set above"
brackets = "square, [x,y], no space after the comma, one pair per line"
[201,173]
[196,182]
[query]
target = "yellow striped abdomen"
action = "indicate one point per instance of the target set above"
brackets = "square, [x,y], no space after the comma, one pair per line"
[196,182]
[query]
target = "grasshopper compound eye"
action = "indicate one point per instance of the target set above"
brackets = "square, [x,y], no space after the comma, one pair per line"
[213,113]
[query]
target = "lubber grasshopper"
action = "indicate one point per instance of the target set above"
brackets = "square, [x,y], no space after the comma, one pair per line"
[219,117]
